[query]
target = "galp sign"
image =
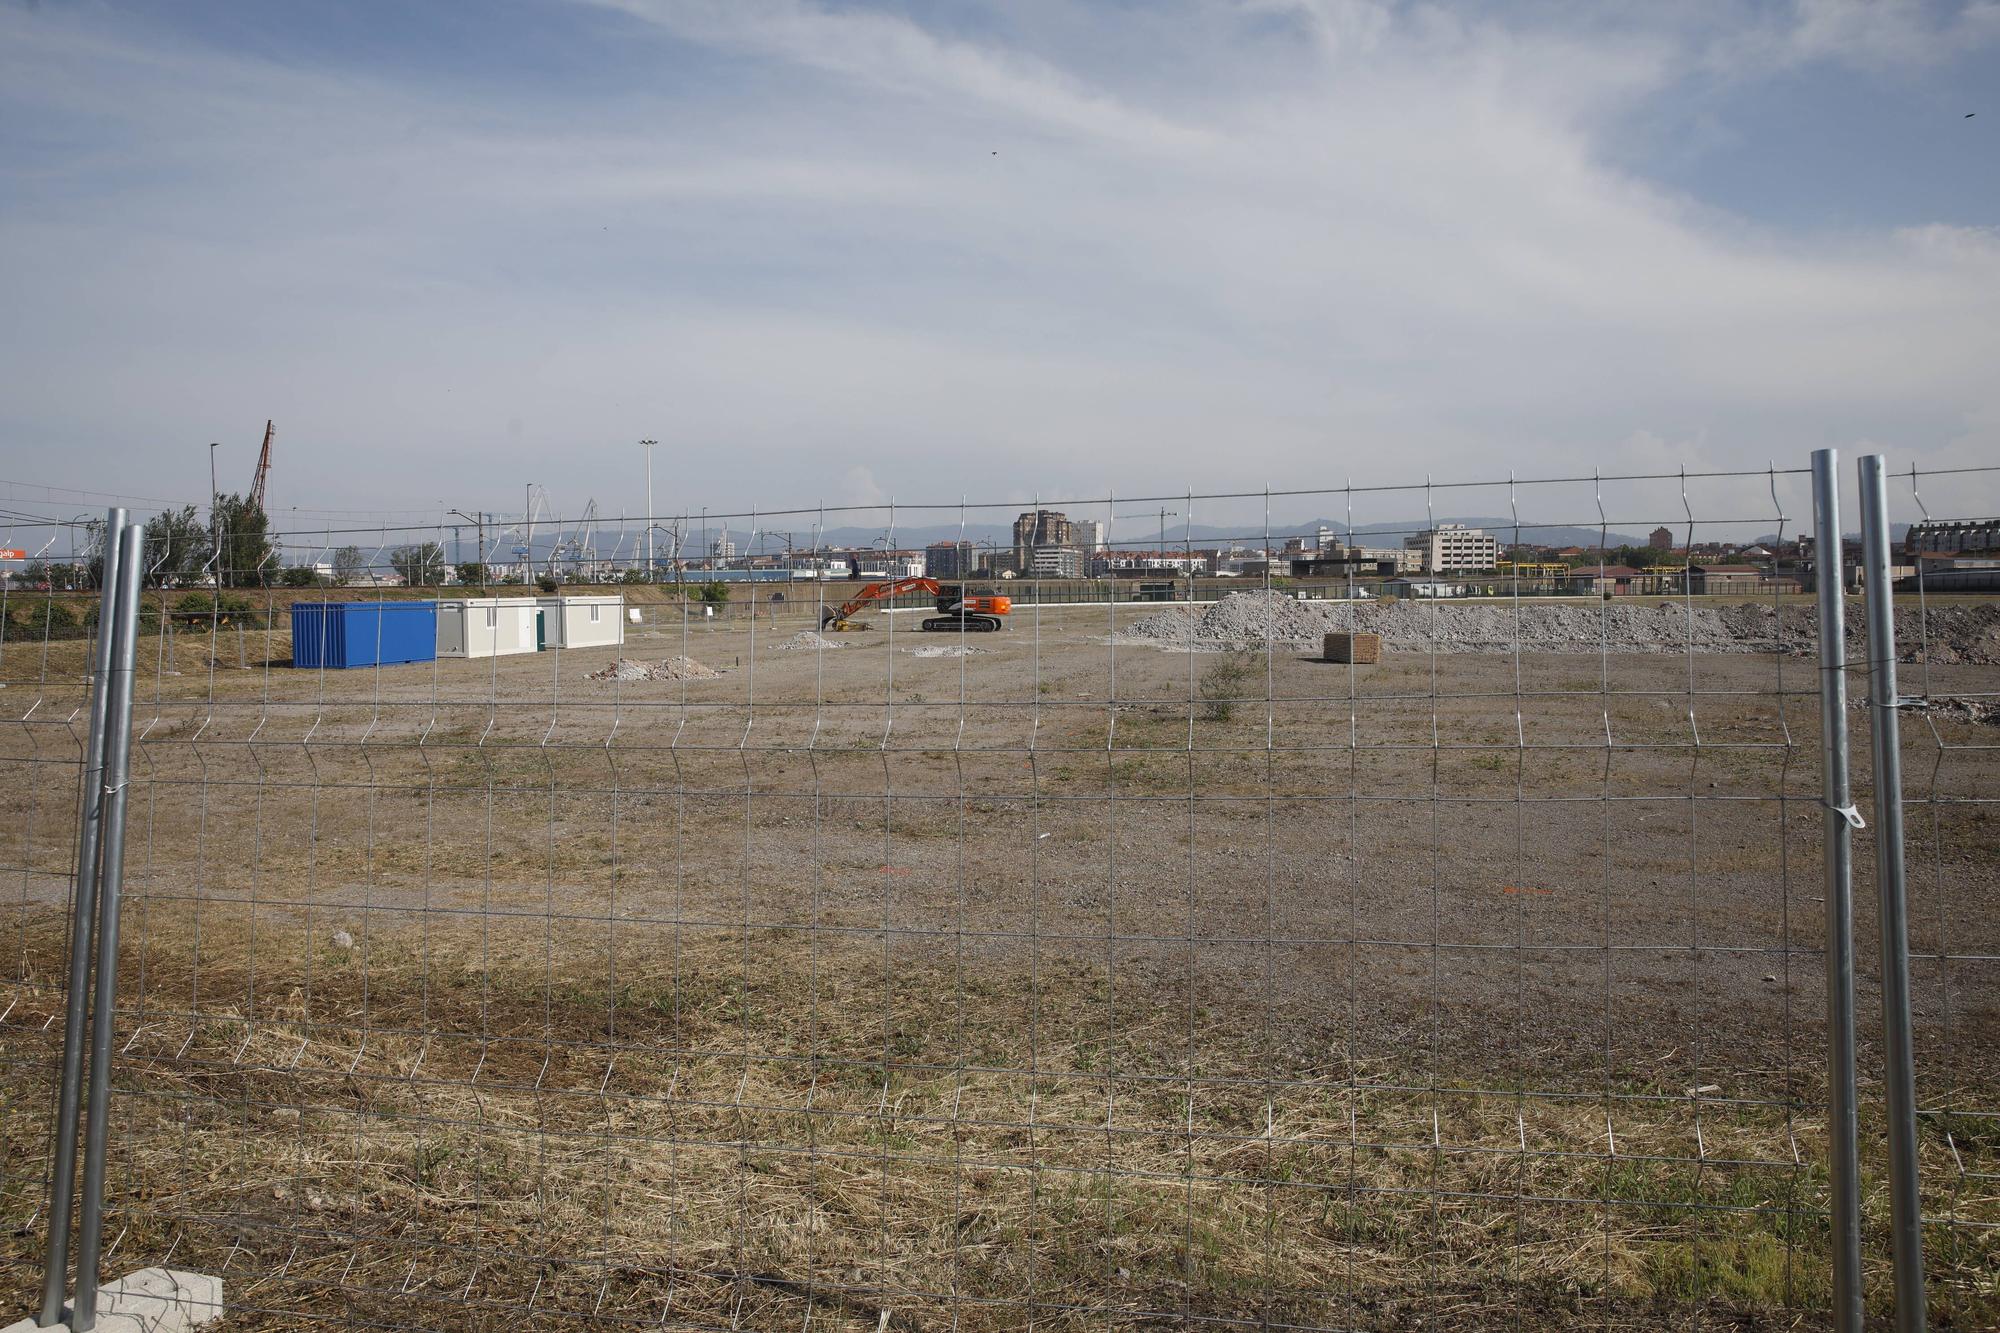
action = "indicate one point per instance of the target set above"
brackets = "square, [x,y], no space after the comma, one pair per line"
[9,553]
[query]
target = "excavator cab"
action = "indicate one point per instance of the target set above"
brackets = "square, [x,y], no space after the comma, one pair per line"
[975,613]
[978,612]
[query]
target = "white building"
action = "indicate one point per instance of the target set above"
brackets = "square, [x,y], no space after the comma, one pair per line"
[582,622]
[1401,559]
[486,626]
[1056,562]
[722,548]
[1091,533]
[1453,548]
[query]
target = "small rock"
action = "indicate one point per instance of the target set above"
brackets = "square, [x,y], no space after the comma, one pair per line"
[342,940]
[1771,977]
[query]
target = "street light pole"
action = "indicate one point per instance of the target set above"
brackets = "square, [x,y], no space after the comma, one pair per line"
[649,506]
[214,533]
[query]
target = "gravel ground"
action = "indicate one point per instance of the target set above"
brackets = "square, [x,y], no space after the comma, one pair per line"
[944,650]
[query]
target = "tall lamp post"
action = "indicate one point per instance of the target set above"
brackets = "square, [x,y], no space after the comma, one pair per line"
[214,533]
[649,507]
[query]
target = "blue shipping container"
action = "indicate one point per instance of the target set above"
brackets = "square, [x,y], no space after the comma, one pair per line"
[358,634]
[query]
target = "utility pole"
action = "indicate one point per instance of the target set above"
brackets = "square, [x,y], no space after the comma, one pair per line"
[649,507]
[478,520]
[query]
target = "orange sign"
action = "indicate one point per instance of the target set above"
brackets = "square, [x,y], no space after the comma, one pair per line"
[9,553]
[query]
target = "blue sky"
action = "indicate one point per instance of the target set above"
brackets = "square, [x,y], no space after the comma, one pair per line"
[837,252]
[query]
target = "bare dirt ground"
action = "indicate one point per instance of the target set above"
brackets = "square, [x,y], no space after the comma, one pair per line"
[1076,983]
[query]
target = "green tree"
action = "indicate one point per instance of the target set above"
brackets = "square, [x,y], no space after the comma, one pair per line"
[176,546]
[347,564]
[421,566]
[243,534]
[471,573]
[715,592]
[301,576]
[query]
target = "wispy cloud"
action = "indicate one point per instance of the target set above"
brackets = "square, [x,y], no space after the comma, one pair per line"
[839,251]
[893,55]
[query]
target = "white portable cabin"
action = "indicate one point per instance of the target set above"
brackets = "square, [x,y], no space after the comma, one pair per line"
[582,622]
[486,626]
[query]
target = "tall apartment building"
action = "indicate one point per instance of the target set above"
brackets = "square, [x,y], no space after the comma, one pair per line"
[1454,548]
[722,548]
[1038,528]
[950,560]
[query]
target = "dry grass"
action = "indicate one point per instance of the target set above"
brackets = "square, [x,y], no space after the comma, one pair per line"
[622,1036]
[439,1130]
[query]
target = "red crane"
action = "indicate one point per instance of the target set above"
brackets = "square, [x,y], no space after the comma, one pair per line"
[263,470]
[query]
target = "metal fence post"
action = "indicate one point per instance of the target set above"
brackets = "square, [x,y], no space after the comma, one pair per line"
[104,1000]
[1885,734]
[1840,819]
[83,913]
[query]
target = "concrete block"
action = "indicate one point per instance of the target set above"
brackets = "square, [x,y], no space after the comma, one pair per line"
[152,1300]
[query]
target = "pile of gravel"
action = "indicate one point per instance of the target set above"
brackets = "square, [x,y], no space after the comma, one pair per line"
[805,639]
[672,668]
[946,650]
[1957,634]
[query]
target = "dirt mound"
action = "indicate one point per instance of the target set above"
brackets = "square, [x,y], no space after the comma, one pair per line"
[805,639]
[672,668]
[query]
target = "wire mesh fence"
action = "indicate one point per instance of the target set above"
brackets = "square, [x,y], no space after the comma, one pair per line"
[1133,966]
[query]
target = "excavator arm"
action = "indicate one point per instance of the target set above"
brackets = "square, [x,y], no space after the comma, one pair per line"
[875,592]
[956,611]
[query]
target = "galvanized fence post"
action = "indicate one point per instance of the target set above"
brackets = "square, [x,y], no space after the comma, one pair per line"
[104,1000]
[83,914]
[1840,819]
[1885,735]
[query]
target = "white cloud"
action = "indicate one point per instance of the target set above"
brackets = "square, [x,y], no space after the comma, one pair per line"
[893,55]
[1342,240]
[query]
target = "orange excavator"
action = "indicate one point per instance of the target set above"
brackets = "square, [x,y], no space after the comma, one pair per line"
[975,614]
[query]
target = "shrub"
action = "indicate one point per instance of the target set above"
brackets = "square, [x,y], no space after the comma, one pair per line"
[195,604]
[1223,683]
[715,592]
[49,618]
[547,583]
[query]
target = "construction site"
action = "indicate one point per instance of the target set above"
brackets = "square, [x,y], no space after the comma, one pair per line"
[1129,965]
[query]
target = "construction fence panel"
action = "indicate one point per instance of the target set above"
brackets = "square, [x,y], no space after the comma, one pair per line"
[1131,967]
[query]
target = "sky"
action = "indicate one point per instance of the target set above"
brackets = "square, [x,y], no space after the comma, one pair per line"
[837,253]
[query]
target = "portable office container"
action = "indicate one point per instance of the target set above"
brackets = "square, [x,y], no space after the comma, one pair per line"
[485,626]
[582,622]
[358,634]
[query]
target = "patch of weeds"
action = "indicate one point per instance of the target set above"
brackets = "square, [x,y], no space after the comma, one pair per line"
[1224,681]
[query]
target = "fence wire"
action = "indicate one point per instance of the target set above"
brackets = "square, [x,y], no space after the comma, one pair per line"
[1134,966]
